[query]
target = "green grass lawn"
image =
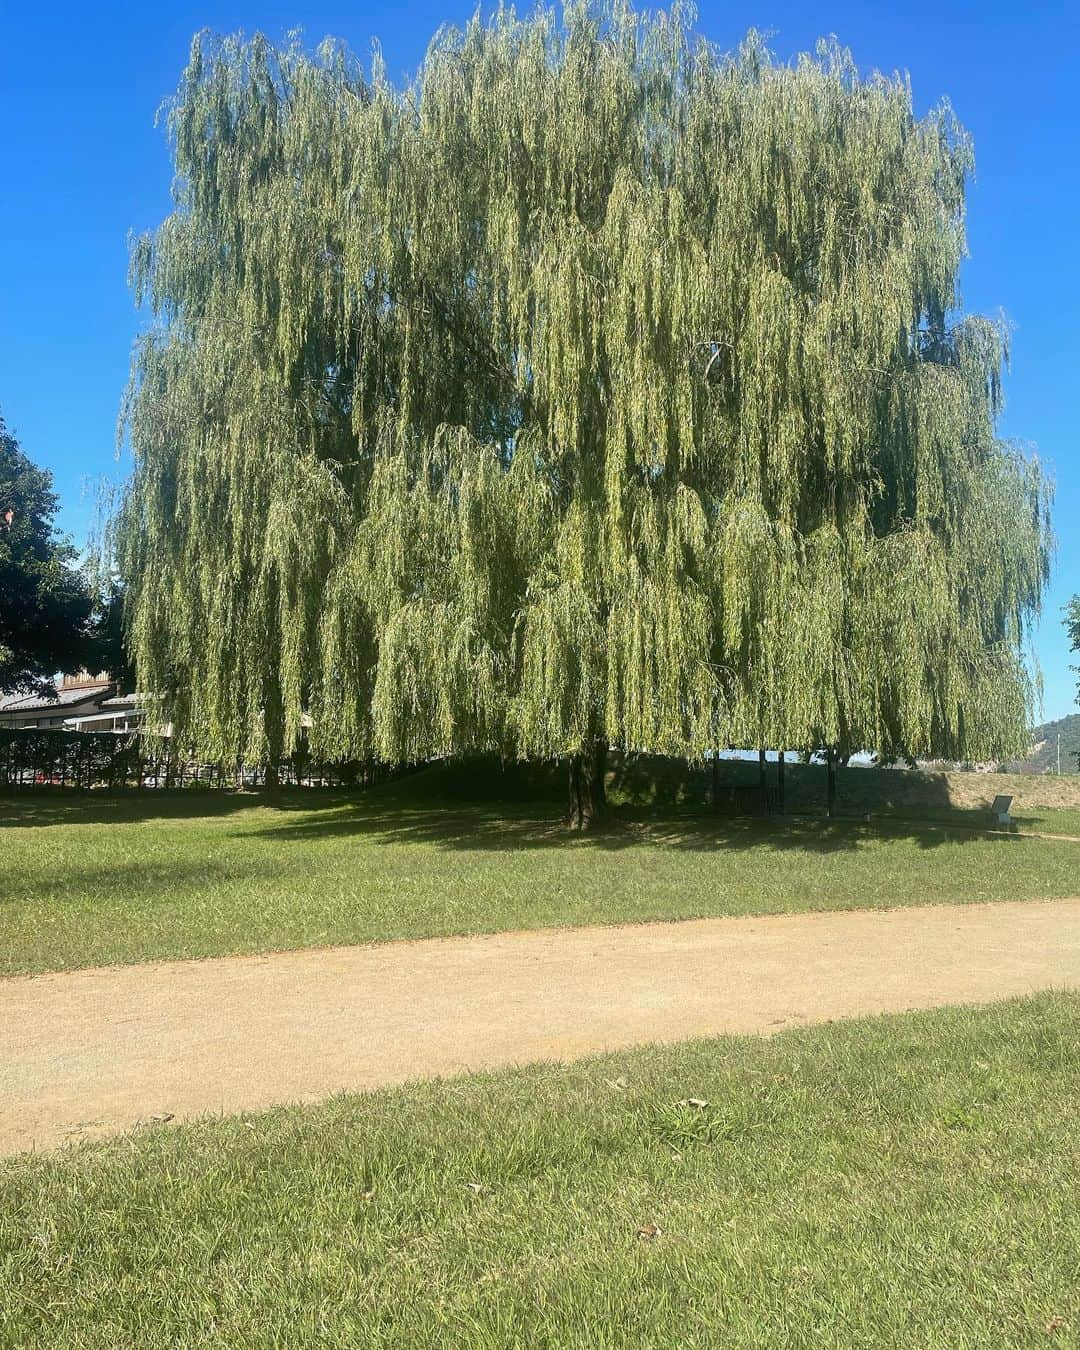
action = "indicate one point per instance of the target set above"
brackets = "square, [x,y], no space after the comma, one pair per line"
[1049,820]
[93,880]
[906,1181]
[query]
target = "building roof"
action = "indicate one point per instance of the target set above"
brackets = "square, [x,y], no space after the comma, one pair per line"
[75,723]
[65,698]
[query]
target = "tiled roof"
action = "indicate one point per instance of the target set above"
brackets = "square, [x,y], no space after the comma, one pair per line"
[65,698]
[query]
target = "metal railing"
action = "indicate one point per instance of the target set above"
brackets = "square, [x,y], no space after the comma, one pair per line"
[40,758]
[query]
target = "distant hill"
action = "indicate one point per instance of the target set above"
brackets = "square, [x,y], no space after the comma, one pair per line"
[1043,756]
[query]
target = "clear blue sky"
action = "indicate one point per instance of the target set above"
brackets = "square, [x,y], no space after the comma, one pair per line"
[83,164]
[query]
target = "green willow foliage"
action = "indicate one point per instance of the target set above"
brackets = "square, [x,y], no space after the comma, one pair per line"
[593,387]
[1072,628]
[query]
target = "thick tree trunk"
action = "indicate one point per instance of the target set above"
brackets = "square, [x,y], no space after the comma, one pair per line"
[780,782]
[588,796]
[274,727]
[830,760]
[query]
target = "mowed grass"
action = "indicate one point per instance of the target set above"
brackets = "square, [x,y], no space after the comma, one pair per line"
[1050,820]
[892,1182]
[100,879]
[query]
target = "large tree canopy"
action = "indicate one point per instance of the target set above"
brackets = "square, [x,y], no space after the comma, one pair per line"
[595,387]
[45,603]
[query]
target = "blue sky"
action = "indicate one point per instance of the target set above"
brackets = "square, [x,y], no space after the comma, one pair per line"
[83,164]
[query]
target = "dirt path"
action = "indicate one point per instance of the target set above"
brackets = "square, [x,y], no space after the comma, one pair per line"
[91,1052]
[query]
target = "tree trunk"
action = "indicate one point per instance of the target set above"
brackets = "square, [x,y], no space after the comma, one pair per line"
[830,760]
[780,782]
[274,728]
[588,796]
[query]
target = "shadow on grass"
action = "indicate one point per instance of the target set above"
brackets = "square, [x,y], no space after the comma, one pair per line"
[491,830]
[68,806]
[92,882]
[480,804]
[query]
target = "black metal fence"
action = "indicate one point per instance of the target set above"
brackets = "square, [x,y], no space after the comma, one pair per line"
[31,758]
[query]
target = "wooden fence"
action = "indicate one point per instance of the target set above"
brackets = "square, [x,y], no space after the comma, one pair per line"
[31,758]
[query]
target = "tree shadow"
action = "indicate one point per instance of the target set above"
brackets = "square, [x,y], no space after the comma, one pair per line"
[80,881]
[71,806]
[518,829]
[481,804]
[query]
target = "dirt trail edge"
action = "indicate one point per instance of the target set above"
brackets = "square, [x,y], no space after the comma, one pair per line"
[92,1052]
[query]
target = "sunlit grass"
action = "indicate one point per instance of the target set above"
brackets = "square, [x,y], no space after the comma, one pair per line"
[893,1182]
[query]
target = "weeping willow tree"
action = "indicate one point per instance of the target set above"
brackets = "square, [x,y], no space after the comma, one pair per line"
[592,389]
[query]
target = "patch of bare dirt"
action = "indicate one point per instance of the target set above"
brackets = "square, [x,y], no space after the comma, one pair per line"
[93,1052]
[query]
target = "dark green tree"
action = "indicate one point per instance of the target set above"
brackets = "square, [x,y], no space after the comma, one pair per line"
[595,388]
[106,641]
[45,602]
[1072,627]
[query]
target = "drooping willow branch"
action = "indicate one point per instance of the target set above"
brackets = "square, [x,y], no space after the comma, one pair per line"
[593,387]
